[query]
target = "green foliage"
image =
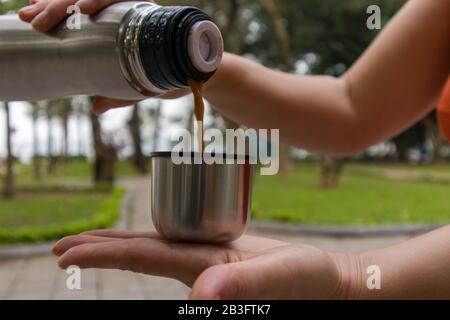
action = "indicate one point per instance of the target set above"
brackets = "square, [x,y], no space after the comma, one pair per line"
[334,31]
[365,196]
[40,217]
[12,5]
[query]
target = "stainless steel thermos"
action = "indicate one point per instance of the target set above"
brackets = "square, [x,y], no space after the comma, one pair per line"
[130,50]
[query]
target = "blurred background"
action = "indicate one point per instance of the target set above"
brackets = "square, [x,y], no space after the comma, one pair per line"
[64,170]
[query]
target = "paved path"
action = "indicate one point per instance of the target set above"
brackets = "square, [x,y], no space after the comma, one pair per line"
[40,278]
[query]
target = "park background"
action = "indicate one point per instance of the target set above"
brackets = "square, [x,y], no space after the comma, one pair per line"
[64,170]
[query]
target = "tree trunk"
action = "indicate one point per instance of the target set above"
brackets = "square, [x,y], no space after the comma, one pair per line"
[65,124]
[437,140]
[36,159]
[50,158]
[134,125]
[331,171]
[105,155]
[288,64]
[64,113]
[157,118]
[232,15]
[190,121]
[79,138]
[8,190]
[285,161]
[234,37]
[281,33]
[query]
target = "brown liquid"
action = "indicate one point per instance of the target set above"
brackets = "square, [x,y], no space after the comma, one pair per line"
[199,110]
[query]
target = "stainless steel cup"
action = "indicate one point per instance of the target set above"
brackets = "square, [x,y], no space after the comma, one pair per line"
[200,202]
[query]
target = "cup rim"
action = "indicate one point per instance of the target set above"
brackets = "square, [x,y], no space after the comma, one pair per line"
[168,154]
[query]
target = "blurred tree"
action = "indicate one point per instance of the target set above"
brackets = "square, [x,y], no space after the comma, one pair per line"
[281,35]
[105,155]
[328,35]
[155,116]
[134,124]
[8,188]
[62,109]
[434,134]
[414,137]
[49,108]
[331,171]
[284,43]
[427,130]
[65,111]
[79,111]
[36,110]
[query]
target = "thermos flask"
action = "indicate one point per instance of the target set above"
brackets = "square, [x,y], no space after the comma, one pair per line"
[129,51]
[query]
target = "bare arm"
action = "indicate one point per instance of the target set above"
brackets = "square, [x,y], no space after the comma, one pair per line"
[389,88]
[393,84]
[416,269]
[258,268]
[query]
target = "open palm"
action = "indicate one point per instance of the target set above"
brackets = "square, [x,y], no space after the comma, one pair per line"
[250,268]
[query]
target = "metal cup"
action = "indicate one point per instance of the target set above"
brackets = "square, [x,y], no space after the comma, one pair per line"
[200,202]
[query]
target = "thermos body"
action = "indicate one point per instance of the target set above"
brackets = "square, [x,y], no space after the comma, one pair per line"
[112,54]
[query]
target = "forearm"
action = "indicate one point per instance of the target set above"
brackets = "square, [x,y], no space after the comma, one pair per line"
[416,269]
[394,84]
[312,112]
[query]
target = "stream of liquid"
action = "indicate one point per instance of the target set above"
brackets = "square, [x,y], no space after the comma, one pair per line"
[199,111]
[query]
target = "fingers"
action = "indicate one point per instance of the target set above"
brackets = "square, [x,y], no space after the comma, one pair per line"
[98,236]
[28,13]
[123,234]
[149,256]
[52,15]
[101,104]
[107,255]
[176,94]
[72,241]
[92,6]
[46,14]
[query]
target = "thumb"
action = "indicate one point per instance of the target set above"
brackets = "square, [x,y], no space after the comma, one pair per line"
[289,272]
[223,282]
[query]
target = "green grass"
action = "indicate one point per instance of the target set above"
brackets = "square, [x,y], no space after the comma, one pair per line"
[420,168]
[363,198]
[59,204]
[32,217]
[72,171]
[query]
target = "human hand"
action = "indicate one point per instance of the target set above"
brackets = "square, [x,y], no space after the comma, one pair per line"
[249,268]
[46,14]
